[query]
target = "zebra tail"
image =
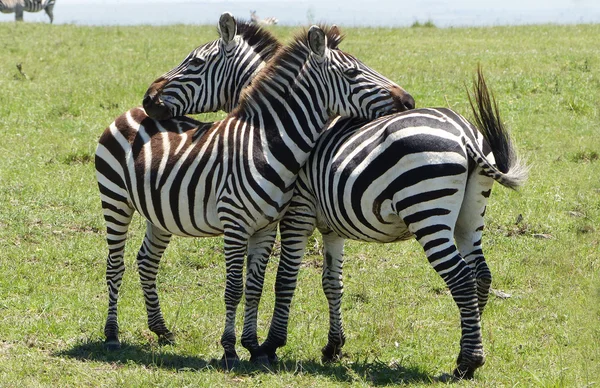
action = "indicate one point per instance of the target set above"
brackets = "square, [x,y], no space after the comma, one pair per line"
[510,170]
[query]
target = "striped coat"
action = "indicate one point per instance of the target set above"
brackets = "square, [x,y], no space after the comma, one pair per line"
[212,76]
[18,6]
[426,173]
[237,177]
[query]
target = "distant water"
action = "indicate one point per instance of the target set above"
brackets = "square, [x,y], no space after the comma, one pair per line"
[341,12]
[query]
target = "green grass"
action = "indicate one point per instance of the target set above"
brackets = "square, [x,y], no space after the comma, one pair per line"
[401,323]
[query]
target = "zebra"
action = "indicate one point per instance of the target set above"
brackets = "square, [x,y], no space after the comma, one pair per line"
[210,78]
[426,173]
[269,21]
[236,178]
[18,6]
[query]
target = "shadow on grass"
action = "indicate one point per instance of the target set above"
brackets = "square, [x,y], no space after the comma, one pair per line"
[373,372]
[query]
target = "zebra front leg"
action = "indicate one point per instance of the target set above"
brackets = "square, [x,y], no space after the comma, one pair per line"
[235,243]
[117,217]
[148,260]
[333,287]
[259,250]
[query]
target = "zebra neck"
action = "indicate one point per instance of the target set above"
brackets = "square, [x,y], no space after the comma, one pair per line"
[243,80]
[288,119]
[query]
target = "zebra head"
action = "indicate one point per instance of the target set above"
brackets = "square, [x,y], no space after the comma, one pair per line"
[212,76]
[354,89]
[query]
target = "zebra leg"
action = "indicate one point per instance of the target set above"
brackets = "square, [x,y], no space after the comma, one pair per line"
[295,228]
[333,287]
[49,11]
[117,216]
[259,250]
[235,244]
[19,12]
[437,239]
[148,260]
[469,230]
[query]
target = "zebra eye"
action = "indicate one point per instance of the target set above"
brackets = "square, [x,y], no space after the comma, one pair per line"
[196,61]
[351,72]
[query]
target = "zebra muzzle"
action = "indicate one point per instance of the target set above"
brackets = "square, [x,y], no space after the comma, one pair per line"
[402,99]
[152,102]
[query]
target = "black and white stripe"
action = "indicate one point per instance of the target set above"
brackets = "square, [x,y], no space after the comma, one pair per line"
[425,173]
[237,177]
[18,6]
[240,52]
[213,75]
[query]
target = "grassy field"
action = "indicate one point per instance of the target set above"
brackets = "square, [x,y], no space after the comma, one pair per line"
[542,243]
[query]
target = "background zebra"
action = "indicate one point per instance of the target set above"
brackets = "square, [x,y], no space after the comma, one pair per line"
[18,6]
[268,21]
[425,173]
[237,177]
[210,78]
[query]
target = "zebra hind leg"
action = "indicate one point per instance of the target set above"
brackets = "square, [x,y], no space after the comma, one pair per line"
[295,228]
[469,231]
[333,287]
[438,243]
[19,12]
[148,260]
[259,250]
[49,11]
[117,218]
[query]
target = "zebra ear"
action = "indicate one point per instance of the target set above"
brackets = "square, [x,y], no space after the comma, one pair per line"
[335,35]
[317,41]
[227,27]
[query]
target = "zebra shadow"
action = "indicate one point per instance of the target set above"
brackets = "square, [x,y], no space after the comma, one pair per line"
[374,373]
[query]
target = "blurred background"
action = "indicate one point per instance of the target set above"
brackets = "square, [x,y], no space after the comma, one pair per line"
[382,13]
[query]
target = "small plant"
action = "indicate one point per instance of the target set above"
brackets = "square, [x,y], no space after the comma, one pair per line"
[585,156]
[22,75]
[427,24]
[78,157]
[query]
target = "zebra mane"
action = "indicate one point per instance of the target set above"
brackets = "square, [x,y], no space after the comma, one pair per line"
[264,43]
[294,54]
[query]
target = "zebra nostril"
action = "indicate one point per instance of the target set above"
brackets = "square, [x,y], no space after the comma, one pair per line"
[147,100]
[408,101]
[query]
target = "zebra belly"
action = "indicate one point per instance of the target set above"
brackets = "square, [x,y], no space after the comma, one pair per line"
[385,227]
[186,219]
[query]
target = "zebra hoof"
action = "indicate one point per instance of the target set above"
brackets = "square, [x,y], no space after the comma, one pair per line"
[466,366]
[112,345]
[260,360]
[230,361]
[331,353]
[273,359]
[166,339]
[464,374]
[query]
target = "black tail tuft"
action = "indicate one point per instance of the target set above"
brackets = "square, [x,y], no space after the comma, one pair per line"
[487,120]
